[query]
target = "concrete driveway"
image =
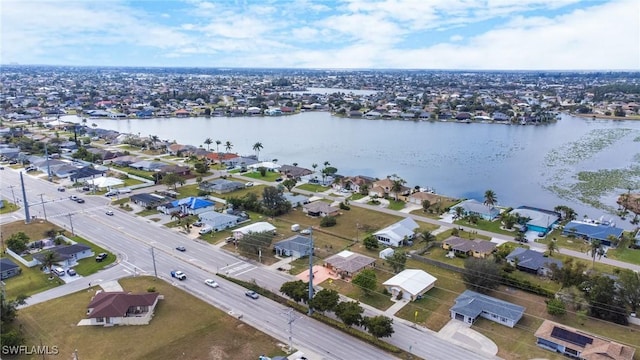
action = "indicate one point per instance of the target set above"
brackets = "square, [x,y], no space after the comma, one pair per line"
[461,334]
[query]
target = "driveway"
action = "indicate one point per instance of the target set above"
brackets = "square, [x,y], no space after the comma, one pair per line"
[464,336]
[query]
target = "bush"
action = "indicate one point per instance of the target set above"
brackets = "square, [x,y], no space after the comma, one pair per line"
[202,193]
[344,206]
[556,307]
[328,221]
[151,289]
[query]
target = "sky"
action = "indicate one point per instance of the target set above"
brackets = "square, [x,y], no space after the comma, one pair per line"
[325,34]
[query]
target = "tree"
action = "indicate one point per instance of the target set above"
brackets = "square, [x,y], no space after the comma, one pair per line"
[366,280]
[257,147]
[328,221]
[397,185]
[459,212]
[273,202]
[397,261]
[426,204]
[556,307]
[289,184]
[323,172]
[296,290]
[325,300]
[18,242]
[630,288]
[8,313]
[186,225]
[228,146]
[604,300]
[490,198]
[218,142]
[552,247]
[596,249]
[481,275]
[427,237]
[370,242]
[255,242]
[379,326]
[208,142]
[48,259]
[171,180]
[350,312]
[508,220]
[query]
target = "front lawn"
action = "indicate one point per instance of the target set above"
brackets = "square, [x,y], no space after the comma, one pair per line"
[396,205]
[148,212]
[30,281]
[183,327]
[624,253]
[376,298]
[8,207]
[493,226]
[268,176]
[313,187]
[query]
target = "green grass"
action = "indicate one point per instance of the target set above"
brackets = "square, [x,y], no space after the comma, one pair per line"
[89,265]
[120,201]
[148,212]
[625,254]
[268,176]
[183,327]
[141,173]
[313,187]
[493,226]
[8,207]
[396,205]
[30,281]
[376,298]
[131,182]
[356,196]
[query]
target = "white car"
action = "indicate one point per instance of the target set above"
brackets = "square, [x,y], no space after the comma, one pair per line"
[212,283]
[249,184]
[305,232]
[109,212]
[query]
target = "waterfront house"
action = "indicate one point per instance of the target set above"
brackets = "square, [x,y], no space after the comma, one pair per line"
[537,220]
[578,344]
[462,247]
[474,207]
[397,234]
[121,308]
[294,172]
[411,283]
[470,305]
[382,188]
[532,261]
[354,183]
[592,231]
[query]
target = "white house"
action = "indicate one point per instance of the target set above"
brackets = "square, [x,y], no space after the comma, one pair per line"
[121,308]
[470,305]
[269,165]
[412,283]
[218,221]
[395,234]
[253,228]
[385,253]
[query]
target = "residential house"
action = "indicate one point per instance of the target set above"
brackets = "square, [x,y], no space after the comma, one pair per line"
[269,165]
[382,188]
[175,169]
[419,197]
[216,157]
[8,268]
[241,161]
[253,228]
[67,255]
[86,173]
[532,261]
[190,205]
[294,172]
[474,207]
[355,183]
[462,247]
[537,220]
[296,200]
[121,308]
[148,165]
[218,221]
[470,305]
[148,201]
[578,344]
[347,264]
[296,246]
[320,209]
[592,231]
[386,253]
[397,234]
[411,283]
[221,186]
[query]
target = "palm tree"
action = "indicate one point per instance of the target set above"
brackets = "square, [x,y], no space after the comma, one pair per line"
[48,259]
[459,212]
[208,142]
[218,142]
[314,166]
[228,146]
[427,237]
[490,198]
[397,184]
[257,147]
[596,249]
[552,247]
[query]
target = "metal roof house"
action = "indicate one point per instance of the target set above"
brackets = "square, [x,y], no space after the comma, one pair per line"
[475,207]
[296,246]
[539,220]
[412,283]
[470,305]
[253,228]
[591,231]
[218,221]
[395,234]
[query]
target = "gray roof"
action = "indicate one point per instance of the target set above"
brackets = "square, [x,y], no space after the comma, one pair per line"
[531,259]
[472,304]
[7,264]
[297,243]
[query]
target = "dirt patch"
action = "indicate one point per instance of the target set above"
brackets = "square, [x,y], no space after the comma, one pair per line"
[320,274]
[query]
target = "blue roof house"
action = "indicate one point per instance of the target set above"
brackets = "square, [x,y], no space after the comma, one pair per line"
[591,231]
[475,207]
[470,305]
[538,220]
[190,205]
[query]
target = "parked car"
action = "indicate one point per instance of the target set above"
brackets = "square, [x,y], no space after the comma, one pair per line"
[279,179]
[212,283]
[198,224]
[205,230]
[249,184]
[71,272]
[178,275]
[181,248]
[61,189]
[58,271]
[111,193]
[230,239]
[31,168]
[109,212]
[80,201]
[101,257]
[252,294]
[305,232]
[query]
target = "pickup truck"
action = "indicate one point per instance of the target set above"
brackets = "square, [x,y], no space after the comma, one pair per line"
[178,275]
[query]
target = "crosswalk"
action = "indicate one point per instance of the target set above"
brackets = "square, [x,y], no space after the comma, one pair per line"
[238,268]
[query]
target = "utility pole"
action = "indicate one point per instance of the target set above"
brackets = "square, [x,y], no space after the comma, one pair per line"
[311,268]
[71,222]
[46,155]
[13,195]
[153,257]
[44,211]
[290,321]
[27,216]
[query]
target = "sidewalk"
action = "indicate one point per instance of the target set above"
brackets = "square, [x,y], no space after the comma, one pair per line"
[399,304]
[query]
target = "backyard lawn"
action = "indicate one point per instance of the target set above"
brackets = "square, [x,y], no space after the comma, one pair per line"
[183,327]
[376,298]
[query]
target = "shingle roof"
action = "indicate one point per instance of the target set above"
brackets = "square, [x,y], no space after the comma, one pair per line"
[116,304]
[349,261]
[472,304]
[298,243]
[531,259]
[593,231]
[463,245]
[7,264]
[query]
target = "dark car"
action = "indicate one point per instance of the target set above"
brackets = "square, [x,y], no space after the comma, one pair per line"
[279,179]
[80,201]
[181,248]
[71,272]
[101,257]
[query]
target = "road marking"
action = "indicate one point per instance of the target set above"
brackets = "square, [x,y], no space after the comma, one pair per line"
[239,262]
[246,271]
[239,268]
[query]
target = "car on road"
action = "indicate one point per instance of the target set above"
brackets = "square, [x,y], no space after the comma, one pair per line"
[181,248]
[80,201]
[71,272]
[109,212]
[61,189]
[178,275]
[212,283]
[73,197]
[252,294]
[101,257]
[279,179]
[249,184]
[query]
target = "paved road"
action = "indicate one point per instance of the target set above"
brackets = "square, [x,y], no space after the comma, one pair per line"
[132,239]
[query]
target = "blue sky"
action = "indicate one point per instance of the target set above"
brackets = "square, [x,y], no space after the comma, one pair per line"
[337,34]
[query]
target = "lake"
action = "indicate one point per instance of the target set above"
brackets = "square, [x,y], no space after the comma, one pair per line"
[523,165]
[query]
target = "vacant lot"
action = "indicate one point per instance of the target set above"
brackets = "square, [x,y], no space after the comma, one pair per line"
[183,327]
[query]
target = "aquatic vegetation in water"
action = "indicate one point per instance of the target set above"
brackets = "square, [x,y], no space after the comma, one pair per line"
[592,143]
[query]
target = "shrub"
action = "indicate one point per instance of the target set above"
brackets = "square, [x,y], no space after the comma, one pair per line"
[328,221]
[151,289]
[344,206]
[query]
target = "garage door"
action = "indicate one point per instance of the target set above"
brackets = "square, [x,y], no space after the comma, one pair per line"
[459,317]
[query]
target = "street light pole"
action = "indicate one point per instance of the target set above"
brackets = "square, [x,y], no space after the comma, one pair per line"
[311,269]
[71,223]
[44,211]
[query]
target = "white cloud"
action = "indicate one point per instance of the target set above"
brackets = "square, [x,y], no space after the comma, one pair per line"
[456,38]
